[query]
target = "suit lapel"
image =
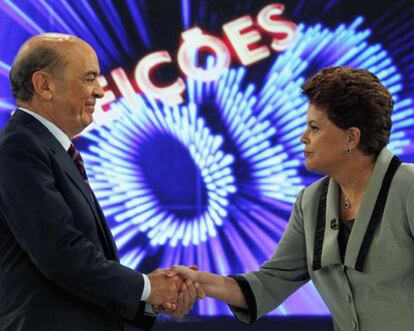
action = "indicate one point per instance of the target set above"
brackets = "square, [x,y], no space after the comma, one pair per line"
[71,170]
[330,248]
[73,173]
[107,231]
[366,208]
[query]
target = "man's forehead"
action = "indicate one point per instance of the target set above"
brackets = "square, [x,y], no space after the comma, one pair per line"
[82,60]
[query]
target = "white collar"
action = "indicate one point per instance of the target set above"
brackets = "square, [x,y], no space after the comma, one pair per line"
[57,132]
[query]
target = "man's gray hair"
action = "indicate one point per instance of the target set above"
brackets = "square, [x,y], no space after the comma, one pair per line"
[26,64]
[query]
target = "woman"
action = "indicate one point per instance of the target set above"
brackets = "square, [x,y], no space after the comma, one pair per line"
[351,232]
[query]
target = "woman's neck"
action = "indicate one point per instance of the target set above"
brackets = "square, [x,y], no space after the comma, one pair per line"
[353,178]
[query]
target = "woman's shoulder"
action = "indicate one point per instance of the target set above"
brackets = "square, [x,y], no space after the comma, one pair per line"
[407,169]
[404,177]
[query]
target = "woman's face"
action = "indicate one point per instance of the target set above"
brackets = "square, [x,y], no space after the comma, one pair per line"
[325,143]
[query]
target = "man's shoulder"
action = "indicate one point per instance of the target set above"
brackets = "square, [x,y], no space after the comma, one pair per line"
[20,143]
[15,136]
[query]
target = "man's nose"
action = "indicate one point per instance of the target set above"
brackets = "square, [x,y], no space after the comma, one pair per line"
[98,91]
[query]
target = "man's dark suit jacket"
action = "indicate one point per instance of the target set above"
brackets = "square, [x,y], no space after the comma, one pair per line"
[59,267]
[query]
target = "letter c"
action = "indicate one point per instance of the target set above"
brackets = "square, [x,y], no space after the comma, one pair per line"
[172,94]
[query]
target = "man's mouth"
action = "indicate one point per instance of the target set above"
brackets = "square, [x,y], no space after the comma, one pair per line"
[90,105]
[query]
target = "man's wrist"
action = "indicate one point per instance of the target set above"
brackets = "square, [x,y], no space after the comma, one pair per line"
[147,288]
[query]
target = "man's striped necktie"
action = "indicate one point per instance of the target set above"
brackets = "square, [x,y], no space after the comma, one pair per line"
[77,159]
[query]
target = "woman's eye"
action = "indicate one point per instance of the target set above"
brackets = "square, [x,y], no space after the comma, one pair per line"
[314,128]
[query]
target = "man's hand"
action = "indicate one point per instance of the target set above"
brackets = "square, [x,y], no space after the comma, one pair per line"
[164,289]
[189,292]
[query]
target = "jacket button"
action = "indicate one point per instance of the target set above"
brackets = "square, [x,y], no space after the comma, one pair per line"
[354,325]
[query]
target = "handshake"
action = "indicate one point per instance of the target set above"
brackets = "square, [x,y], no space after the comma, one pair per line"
[174,290]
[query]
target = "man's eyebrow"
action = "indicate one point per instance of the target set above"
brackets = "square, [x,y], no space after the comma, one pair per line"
[91,72]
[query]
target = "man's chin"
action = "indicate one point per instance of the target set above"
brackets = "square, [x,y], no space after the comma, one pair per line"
[87,119]
[84,124]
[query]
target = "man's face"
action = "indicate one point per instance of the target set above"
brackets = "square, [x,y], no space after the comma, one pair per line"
[76,89]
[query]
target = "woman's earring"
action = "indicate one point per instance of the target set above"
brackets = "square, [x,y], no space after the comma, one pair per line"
[348,150]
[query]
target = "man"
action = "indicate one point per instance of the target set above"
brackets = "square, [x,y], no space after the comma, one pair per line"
[59,266]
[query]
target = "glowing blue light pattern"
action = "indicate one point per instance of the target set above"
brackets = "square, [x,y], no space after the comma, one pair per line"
[271,172]
[319,47]
[119,180]
[210,182]
[261,129]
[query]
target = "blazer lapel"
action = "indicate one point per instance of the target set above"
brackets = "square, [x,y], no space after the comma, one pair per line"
[330,248]
[107,230]
[366,208]
[73,173]
[68,165]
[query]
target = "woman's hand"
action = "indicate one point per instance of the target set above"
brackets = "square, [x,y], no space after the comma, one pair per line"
[185,272]
[225,289]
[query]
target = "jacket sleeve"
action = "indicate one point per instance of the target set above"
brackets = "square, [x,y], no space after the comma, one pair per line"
[410,209]
[280,276]
[42,224]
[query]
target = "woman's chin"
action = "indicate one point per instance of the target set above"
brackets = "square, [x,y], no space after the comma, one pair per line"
[310,166]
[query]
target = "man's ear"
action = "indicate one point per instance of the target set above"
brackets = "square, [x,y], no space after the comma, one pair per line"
[353,137]
[43,85]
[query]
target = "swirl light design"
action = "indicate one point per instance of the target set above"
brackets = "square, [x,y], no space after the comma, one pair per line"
[261,129]
[121,180]
[210,182]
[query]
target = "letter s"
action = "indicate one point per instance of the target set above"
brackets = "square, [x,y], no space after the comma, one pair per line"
[269,19]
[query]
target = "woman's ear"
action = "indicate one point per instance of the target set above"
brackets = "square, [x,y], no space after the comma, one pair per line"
[353,137]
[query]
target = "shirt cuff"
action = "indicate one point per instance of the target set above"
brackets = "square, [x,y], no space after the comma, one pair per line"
[149,311]
[147,288]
